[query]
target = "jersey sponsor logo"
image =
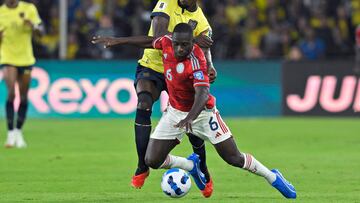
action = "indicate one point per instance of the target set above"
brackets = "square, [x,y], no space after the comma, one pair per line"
[180,68]
[199,75]
[193,24]
[162,5]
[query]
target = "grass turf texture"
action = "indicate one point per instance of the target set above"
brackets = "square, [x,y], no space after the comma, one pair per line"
[93,160]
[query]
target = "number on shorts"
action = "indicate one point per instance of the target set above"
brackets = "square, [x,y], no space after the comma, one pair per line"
[213,124]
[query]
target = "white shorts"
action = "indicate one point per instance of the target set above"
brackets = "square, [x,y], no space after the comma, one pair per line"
[208,126]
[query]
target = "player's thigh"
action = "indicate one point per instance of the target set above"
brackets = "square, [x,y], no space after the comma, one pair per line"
[144,85]
[24,80]
[210,126]
[10,75]
[165,129]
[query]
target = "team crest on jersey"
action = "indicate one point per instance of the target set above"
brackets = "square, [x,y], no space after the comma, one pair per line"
[162,5]
[199,75]
[193,24]
[180,68]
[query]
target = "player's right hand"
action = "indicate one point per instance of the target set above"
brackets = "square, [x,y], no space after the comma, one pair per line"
[185,123]
[107,41]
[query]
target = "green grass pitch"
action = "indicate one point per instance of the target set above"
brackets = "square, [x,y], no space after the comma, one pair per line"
[93,160]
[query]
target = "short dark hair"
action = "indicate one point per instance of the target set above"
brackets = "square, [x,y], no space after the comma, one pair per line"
[183,28]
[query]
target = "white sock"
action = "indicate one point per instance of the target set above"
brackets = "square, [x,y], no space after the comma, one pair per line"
[254,166]
[177,162]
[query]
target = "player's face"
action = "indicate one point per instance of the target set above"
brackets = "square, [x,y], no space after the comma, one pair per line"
[182,44]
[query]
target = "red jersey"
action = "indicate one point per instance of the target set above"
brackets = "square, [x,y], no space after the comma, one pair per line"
[182,76]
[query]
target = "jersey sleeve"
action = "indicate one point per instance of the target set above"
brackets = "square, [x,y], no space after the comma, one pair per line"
[34,15]
[163,8]
[198,63]
[157,43]
[162,42]
[203,26]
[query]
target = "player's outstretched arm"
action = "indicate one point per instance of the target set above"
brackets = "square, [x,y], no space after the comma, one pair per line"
[201,97]
[139,41]
[159,25]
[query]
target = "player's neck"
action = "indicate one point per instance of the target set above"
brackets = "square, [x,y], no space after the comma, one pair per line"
[181,58]
[12,5]
[191,8]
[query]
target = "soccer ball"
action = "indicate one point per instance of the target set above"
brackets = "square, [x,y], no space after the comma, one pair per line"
[176,183]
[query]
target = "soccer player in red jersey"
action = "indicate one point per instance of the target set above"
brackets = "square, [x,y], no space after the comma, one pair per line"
[150,82]
[192,109]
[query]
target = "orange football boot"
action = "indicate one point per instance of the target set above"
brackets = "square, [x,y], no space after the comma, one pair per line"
[137,181]
[209,187]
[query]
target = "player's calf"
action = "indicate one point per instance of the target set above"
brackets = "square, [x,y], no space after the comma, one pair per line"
[143,128]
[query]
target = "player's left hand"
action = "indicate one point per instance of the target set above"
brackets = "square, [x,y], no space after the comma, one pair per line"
[212,74]
[106,41]
[185,123]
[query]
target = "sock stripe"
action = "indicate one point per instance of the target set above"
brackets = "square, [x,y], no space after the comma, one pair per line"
[138,124]
[248,161]
[166,162]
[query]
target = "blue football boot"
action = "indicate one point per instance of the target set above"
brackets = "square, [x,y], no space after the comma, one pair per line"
[196,173]
[284,186]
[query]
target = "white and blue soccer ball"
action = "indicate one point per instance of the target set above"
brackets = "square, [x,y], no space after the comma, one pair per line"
[176,183]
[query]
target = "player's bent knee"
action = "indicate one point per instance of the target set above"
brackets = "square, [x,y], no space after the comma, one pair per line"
[152,162]
[145,100]
[144,106]
[236,160]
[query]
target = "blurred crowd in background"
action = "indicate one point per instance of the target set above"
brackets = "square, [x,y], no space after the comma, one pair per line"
[242,29]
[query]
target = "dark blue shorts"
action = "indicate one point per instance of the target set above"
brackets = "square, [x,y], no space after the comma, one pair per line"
[143,73]
[21,69]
